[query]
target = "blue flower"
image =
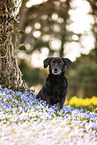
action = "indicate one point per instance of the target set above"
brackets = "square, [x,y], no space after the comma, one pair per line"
[0,87]
[23,116]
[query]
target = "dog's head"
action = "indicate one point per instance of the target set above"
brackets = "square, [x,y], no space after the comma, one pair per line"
[57,64]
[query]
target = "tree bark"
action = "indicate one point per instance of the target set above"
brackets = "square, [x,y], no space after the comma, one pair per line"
[10,74]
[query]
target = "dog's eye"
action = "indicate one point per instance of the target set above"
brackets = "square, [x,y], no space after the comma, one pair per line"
[53,63]
[60,62]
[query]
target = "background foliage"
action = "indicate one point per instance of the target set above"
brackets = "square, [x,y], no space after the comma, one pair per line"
[41,26]
[50,21]
[82,77]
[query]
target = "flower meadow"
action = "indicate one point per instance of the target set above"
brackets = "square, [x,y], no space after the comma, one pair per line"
[24,120]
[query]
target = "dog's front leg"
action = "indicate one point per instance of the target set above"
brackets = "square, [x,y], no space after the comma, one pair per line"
[48,101]
[61,103]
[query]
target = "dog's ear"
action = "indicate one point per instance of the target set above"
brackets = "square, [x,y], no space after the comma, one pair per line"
[47,62]
[68,62]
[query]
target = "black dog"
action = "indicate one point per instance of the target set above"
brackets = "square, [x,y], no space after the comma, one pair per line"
[55,88]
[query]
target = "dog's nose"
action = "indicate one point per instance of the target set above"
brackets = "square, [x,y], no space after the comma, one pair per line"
[55,69]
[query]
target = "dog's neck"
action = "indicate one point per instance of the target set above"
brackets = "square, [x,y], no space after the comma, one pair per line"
[56,78]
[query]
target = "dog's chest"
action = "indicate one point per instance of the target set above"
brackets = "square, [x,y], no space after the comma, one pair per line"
[56,87]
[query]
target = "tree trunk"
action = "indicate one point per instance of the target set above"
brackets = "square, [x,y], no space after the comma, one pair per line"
[10,74]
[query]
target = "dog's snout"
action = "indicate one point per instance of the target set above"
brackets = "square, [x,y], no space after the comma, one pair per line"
[56,71]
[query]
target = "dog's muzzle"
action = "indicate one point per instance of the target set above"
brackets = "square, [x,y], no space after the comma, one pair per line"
[56,71]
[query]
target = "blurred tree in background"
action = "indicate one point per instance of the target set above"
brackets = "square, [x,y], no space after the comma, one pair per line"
[94,26]
[33,76]
[44,24]
[83,77]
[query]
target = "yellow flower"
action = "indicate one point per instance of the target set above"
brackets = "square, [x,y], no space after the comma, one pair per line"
[87,102]
[94,100]
[82,102]
[73,100]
